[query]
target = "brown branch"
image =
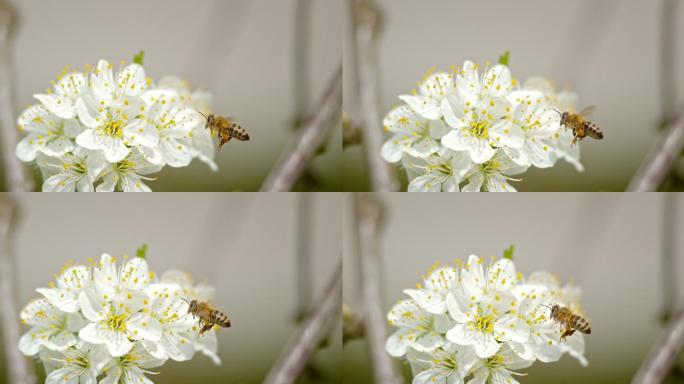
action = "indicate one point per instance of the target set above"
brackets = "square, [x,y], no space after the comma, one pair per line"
[367,25]
[664,355]
[308,337]
[369,213]
[308,140]
[18,368]
[16,179]
[659,160]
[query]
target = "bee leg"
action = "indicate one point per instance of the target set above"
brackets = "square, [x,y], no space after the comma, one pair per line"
[567,332]
[207,326]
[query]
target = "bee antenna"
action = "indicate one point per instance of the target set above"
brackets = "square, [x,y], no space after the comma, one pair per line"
[544,305]
[557,111]
[186,300]
[200,112]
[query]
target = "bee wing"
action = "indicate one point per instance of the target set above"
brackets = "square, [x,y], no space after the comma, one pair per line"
[586,112]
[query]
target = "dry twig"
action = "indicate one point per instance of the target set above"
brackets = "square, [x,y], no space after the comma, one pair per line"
[367,28]
[315,328]
[16,179]
[370,216]
[661,359]
[659,160]
[18,369]
[308,139]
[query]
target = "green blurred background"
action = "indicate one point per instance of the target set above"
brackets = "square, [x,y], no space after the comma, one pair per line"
[607,51]
[610,245]
[243,244]
[242,51]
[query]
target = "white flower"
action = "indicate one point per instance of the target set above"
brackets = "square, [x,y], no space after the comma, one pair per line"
[479,322]
[541,126]
[70,283]
[179,328]
[115,321]
[131,367]
[75,171]
[49,327]
[174,123]
[498,369]
[493,175]
[112,111]
[128,174]
[117,306]
[432,297]
[412,134]
[79,365]
[562,101]
[479,128]
[47,133]
[483,323]
[438,172]
[446,365]
[418,329]
[67,90]
[202,144]
[433,90]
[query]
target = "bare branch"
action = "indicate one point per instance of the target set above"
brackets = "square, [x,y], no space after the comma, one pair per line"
[370,216]
[18,368]
[659,160]
[367,29]
[313,330]
[16,179]
[663,356]
[308,139]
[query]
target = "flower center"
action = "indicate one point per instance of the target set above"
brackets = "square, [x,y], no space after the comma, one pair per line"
[117,323]
[494,362]
[483,323]
[443,168]
[479,129]
[490,167]
[114,128]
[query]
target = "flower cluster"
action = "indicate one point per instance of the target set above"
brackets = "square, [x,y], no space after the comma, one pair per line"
[464,131]
[114,322]
[479,323]
[113,130]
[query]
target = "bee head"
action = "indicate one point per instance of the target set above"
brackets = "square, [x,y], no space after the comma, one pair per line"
[555,308]
[192,305]
[210,119]
[564,118]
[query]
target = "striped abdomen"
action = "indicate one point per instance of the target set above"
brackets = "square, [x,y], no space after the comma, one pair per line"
[581,324]
[219,318]
[592,130]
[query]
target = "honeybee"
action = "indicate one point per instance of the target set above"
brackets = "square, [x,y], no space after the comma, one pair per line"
[581,127]
[207,315]
[570,320]
[225,129]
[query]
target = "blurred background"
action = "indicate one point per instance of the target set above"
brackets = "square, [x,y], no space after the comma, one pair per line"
[245,245]
[242,51]
[609,52]
[611,245]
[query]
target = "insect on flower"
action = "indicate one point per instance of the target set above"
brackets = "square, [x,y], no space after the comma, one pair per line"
[581,127]
[225,129]
[570,320]
[208,315]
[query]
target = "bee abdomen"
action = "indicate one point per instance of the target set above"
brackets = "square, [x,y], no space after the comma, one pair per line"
[582,325]
[593,130]
[220,318]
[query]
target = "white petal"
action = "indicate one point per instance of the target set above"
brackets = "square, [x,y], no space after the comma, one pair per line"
[59,105]
[397,343]
[30,342]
